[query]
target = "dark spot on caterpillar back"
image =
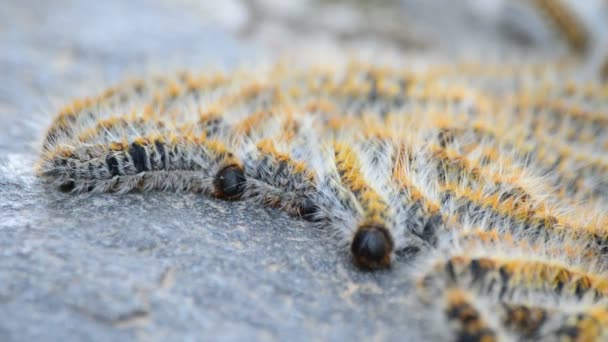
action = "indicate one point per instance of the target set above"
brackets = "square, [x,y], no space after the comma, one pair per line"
[162,156]
[139,157]
[308,210]
[449,270]
[581,287]
[526,320]
[407,252]
[431,228]
[67,186]
[372,247]
[478,270]
[445,137]
[230,182]
[112,165]
[570,332]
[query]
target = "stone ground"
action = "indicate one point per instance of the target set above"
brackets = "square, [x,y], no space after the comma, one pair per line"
[163,266]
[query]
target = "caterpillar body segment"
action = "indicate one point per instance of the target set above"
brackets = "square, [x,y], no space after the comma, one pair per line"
[547,158]
[524,318]
[467,319]
[123,97]
[575,135]
[590,95]
[589,325]
[278,180]
[528,320]
[557,295]
[542,323]
[63,125]
[415,211]
[470,192]
[473,319]
[373,242]
[512,276]
[274,147]
[542,318]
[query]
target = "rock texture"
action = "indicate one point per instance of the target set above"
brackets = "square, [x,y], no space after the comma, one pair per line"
[163,266]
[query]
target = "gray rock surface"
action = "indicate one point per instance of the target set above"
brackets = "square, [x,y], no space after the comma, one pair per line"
[163,266]
[153,266]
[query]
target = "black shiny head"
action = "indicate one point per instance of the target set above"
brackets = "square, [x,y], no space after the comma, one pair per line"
[229,183]
[372,247]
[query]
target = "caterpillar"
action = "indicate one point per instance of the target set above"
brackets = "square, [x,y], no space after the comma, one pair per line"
[491,181]
[467,319]
[471,317]
[252,139]
[520,274]
[506,292]
[171,162]
[542,322]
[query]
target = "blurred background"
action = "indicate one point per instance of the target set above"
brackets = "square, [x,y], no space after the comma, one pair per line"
[99,39]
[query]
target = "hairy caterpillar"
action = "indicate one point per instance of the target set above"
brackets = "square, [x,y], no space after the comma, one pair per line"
[521,294]
[539,322]
[520,274]
[472,317]
[219,124]
[169,162]
[467,319]
[499,191]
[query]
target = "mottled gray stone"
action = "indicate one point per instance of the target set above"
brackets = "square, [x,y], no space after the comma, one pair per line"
[154,266]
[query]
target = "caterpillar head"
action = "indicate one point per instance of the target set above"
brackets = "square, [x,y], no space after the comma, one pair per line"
[229,182]
[372,247]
